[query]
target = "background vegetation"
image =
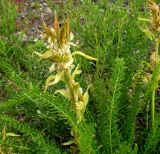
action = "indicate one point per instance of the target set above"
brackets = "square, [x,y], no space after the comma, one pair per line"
[118,116]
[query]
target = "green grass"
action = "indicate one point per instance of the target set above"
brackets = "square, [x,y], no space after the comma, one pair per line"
[117,120]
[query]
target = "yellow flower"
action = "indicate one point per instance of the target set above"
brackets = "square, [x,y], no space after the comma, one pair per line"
[59,42]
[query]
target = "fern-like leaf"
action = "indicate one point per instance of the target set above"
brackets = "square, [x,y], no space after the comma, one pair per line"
[43,146]
[108,107]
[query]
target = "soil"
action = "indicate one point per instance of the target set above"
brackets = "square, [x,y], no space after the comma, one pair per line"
[29,17]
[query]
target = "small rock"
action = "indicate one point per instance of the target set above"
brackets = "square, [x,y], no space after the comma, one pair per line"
[39,27]
[26,4]
[33,28]
[31,38]
[44,4]
[41,1]
[48,10]
[23,14]
[24,38]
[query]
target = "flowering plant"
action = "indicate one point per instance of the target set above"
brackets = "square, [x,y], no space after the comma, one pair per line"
[59,43]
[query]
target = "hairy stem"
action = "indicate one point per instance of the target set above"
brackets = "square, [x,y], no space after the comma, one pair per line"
[69,82]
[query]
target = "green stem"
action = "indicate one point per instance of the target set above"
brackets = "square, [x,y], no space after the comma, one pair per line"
[147,117]
[110,133]
[111,112]
[153,108]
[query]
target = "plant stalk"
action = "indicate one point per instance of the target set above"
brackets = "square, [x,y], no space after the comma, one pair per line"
[153,108]
[69,81]
[154,89]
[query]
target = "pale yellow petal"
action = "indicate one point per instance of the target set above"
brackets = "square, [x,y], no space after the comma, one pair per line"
[79,105]
[52,68]
[58,77]
[76,71]
[48,80]
[53,79]
[79,110]
[86,96]
[83,54]
[69,142]
[71,36]
[12,134]
[76,91]
[47,54]
[68,63]
[65,93]
[72,44]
